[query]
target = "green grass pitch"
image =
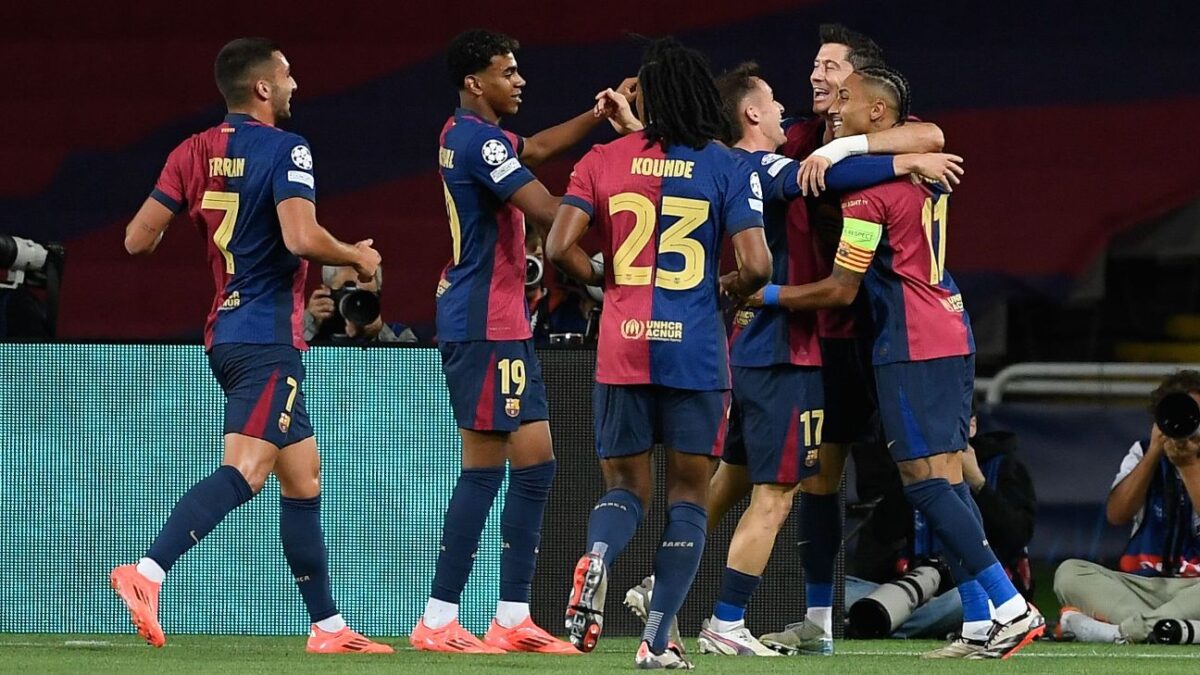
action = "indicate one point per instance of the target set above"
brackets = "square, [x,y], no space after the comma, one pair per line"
[29,654]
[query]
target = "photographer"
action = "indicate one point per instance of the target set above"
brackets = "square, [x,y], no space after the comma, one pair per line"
[896,541]
[30,277]
[342,311]
[1157,490]
[566,313]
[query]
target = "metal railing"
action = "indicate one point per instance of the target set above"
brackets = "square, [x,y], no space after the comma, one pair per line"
[1077,379]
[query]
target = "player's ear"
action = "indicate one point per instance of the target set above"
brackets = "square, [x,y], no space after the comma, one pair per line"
[751,113]
[472,84]
[262,89]
[878,109]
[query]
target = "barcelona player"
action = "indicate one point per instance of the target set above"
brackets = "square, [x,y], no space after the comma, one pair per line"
[777,415]
[662,199]
[894,242]
[250,189]
[843,332]
[491,370]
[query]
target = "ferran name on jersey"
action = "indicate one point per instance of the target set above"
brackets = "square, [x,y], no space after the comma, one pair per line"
[654,330]
[228,167]
[512,407]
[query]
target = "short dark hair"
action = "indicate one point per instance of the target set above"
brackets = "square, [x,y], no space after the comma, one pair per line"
[1182,382]
[892,82]
[472,51]
[234,64]
[734,85]
[679,96]
[862,50]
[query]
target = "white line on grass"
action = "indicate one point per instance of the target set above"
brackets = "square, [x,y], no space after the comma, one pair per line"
[1062,655]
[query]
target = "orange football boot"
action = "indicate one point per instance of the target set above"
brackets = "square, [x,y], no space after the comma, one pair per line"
[140,596]
[345,641]
[451,638]
[527,637]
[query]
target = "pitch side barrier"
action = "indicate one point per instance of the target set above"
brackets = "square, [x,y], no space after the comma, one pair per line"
[97,441]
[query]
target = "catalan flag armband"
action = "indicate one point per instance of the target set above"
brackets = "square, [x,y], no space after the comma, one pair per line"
[858,243]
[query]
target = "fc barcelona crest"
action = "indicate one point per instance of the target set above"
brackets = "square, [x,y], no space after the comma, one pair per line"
[285,422]
[512,407]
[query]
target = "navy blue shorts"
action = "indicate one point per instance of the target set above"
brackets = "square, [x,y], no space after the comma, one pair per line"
[263,398]
[776,423]
[494,385]
[849,390]
[630,419]
[925,406]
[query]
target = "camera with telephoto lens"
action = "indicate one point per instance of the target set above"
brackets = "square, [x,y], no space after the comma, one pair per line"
[1175,632]
[30,263]
[1178,415]
[534,269]
[356,305]
[879,614]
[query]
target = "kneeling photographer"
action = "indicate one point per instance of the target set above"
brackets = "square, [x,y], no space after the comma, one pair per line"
[345,311]
[901,585]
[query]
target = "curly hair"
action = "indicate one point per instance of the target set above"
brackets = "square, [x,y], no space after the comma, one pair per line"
[472,51]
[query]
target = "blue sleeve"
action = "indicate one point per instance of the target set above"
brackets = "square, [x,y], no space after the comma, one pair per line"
[862,171]
[292,172]
[779,174]
[493,162]
[743,208]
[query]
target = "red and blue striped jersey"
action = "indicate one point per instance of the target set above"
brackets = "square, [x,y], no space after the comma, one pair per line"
[895,234]
[821,219]
[229,178]
[481,295]
[662,215]
[768,336]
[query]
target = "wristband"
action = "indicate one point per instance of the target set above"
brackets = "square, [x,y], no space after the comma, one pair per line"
[770,295]
[841,148]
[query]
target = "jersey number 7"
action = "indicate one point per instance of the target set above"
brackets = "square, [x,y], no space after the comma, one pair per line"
[692,213]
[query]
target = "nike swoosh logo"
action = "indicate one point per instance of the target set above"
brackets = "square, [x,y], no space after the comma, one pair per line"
[193,533]
[890,444]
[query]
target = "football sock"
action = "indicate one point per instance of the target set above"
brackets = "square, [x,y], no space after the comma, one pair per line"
[821,530]
[438,613]
[730,610]
[468,511]
[333,624]
[197,512]
[307,557]
[675,567]
[962,534]
[150,569]
[1087,629]
[520,528]
[613,522]
[511,614]
[821,616]
[1008,606]
[977,613]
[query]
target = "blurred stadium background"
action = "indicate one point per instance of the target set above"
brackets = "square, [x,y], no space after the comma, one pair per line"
[1075,238]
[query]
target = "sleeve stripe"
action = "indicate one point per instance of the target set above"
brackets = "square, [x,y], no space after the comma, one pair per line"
[579,203]
[166,200]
